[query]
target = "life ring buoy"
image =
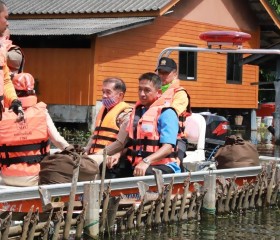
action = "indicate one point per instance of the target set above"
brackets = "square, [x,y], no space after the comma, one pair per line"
[236,38]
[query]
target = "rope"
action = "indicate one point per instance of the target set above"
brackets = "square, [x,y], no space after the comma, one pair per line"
[212,153]
[209,211]
[91,224]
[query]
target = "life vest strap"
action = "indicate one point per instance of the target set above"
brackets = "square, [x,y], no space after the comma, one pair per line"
[104,138]
[23,159]
[27,147]
[106,129]
[144,142]
[97,146]
[144,154]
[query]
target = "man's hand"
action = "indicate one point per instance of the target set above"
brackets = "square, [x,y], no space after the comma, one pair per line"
[140,169]
[113,160]
[16,107]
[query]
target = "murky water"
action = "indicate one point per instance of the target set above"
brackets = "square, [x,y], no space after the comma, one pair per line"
[253,224]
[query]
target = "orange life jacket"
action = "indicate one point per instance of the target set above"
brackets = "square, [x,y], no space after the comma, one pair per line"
[28,101]
[144,136]
[168,95]
[26,141]
[106,128]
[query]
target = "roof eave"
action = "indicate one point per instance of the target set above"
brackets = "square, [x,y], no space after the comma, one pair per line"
[167,7]
[123,28]
[272,13]
[153,13]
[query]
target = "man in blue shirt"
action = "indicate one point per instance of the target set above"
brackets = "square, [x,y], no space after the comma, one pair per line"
[151,134]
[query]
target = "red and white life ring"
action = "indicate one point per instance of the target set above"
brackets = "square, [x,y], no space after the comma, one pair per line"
[236,38]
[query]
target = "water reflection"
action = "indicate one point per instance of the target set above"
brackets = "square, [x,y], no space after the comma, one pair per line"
[261,224]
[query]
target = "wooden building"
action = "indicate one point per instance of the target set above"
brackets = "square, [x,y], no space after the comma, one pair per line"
[71,46]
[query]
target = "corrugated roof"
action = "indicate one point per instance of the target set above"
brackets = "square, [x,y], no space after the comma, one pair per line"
[18,7]
[88,26]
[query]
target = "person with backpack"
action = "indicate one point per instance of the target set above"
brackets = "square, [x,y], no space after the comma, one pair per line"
[24,144]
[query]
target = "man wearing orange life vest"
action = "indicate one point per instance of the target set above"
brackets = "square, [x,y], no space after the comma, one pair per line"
[151,133]
[24,144]
[7,92]
[177,97]
[113,113]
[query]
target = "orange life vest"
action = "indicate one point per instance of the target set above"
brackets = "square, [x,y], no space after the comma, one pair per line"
[106,128]
[168,95]
[144,136]
[26,141]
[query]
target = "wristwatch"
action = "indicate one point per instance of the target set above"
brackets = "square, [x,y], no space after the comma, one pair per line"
[146,160]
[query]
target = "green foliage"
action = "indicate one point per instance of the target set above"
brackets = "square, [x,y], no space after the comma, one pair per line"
[267,75]
[276,5]
[74,136]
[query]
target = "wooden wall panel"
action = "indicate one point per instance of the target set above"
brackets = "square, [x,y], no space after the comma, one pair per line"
[130,53]
[63,74]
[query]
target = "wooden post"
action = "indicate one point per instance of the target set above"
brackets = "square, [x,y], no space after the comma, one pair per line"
[81,223]
[71,198]
[45,231]
[57,224]
[26,222]
[103,175]
[91,198]
[33,223]
[6,226]
[209,202]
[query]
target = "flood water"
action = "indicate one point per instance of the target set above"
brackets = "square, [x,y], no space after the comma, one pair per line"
[252,224]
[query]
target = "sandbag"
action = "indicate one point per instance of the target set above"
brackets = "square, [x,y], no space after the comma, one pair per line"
[58,168]
[237,153]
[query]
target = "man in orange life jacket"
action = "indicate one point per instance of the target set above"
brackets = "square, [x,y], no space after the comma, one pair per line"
[24,144]
[177,97]
[113,113]
[7,92]
[151,134]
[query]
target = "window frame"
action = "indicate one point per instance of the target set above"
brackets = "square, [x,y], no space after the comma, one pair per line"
[234,65]
[184,58]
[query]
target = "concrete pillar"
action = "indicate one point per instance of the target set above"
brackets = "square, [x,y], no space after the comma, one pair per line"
[253,120]
[91,198]
[95,110]
[277,104]
[209,201]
